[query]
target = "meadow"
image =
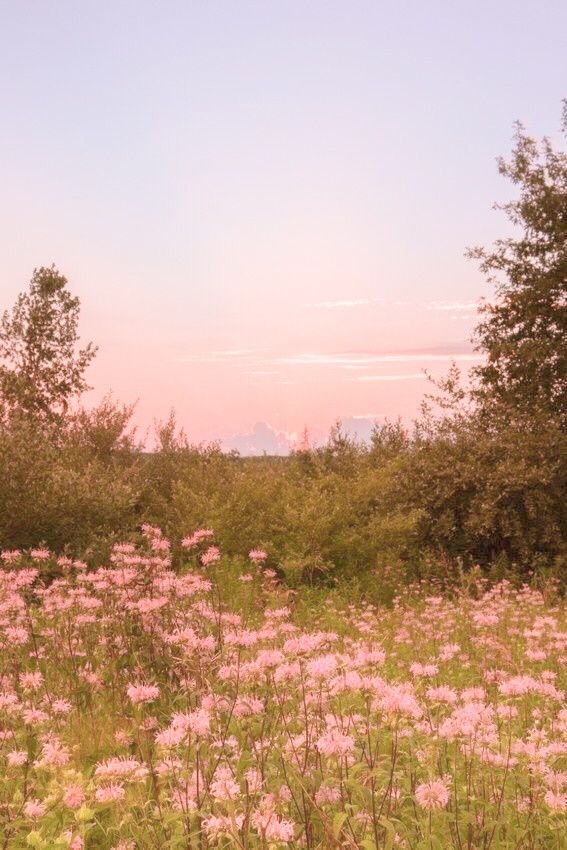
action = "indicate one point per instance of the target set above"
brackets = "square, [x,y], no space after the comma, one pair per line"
[147,704]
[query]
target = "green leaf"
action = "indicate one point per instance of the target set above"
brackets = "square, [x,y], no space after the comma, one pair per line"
[338,821]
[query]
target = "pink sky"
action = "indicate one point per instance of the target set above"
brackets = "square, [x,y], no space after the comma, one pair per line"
[264,207]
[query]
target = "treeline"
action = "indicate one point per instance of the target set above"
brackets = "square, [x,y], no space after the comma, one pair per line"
[405,506]
[480,478]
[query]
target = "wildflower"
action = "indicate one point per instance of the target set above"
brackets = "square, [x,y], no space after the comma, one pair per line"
[197,537]
[110,793]
[322,667]
[75,842]
[16,635]
[40,554]
[31,681]
[432,795]
[253,779]
[53,754]
[271,826]
[334,743]
[442,694]
[223,786]
[74,796]
[425,670]
[397,699]
[219,825]
[61,706]
[16,758]
[210,556]
[140,693]
[556,800]
[327,794]
[34,717]
[121,768]
[34,809]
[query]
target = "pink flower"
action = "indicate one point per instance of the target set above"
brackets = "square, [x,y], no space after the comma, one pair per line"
[327,794]
[61,706]
[40,554]
[16,635]
[110,793]
[270,825]
[31,681]
[121,768]
[397,699]
[334,743]
[197,537]
[53,754]
[74,796]
[17,758]
[34,809]
[442,694]
[210,556]
[322,667]
[257,555]
[253,779]
[34,717]
[432,795]
[556,801]
[139,693]
[223,786]
[217,825]
[425,670]
[170,737]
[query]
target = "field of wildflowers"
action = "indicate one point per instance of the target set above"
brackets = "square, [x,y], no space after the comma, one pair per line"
[209,707]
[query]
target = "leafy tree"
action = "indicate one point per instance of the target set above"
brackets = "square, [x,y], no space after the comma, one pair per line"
[41,369]
[524,331]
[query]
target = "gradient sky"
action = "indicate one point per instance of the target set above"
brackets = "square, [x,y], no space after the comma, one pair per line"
[264,205]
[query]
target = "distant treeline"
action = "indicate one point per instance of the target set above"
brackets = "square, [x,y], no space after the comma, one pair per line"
[407,506]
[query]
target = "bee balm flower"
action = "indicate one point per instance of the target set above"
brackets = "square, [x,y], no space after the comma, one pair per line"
[432,795]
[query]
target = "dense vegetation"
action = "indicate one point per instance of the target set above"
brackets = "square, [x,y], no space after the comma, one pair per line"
[480,478]
[147,708]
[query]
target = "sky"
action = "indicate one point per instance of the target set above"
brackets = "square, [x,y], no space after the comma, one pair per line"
[264,206]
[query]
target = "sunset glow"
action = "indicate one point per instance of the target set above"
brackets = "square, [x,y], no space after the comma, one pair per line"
[264,208]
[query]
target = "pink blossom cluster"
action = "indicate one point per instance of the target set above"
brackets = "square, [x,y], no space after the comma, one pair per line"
[142,704]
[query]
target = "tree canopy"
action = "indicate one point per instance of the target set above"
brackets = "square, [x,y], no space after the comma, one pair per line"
[41,367]
[524,331]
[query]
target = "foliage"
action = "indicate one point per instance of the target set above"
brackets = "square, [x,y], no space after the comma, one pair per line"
[69,485]
[40,369]
[523,332]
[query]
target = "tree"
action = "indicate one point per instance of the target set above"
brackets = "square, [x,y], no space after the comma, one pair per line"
[41,369]
[523,333]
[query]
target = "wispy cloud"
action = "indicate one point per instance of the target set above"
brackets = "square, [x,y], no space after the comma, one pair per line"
[366,416]
[416,376]
[222,356]
[350,360]
[257,362]
[347,302]
[452,306]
